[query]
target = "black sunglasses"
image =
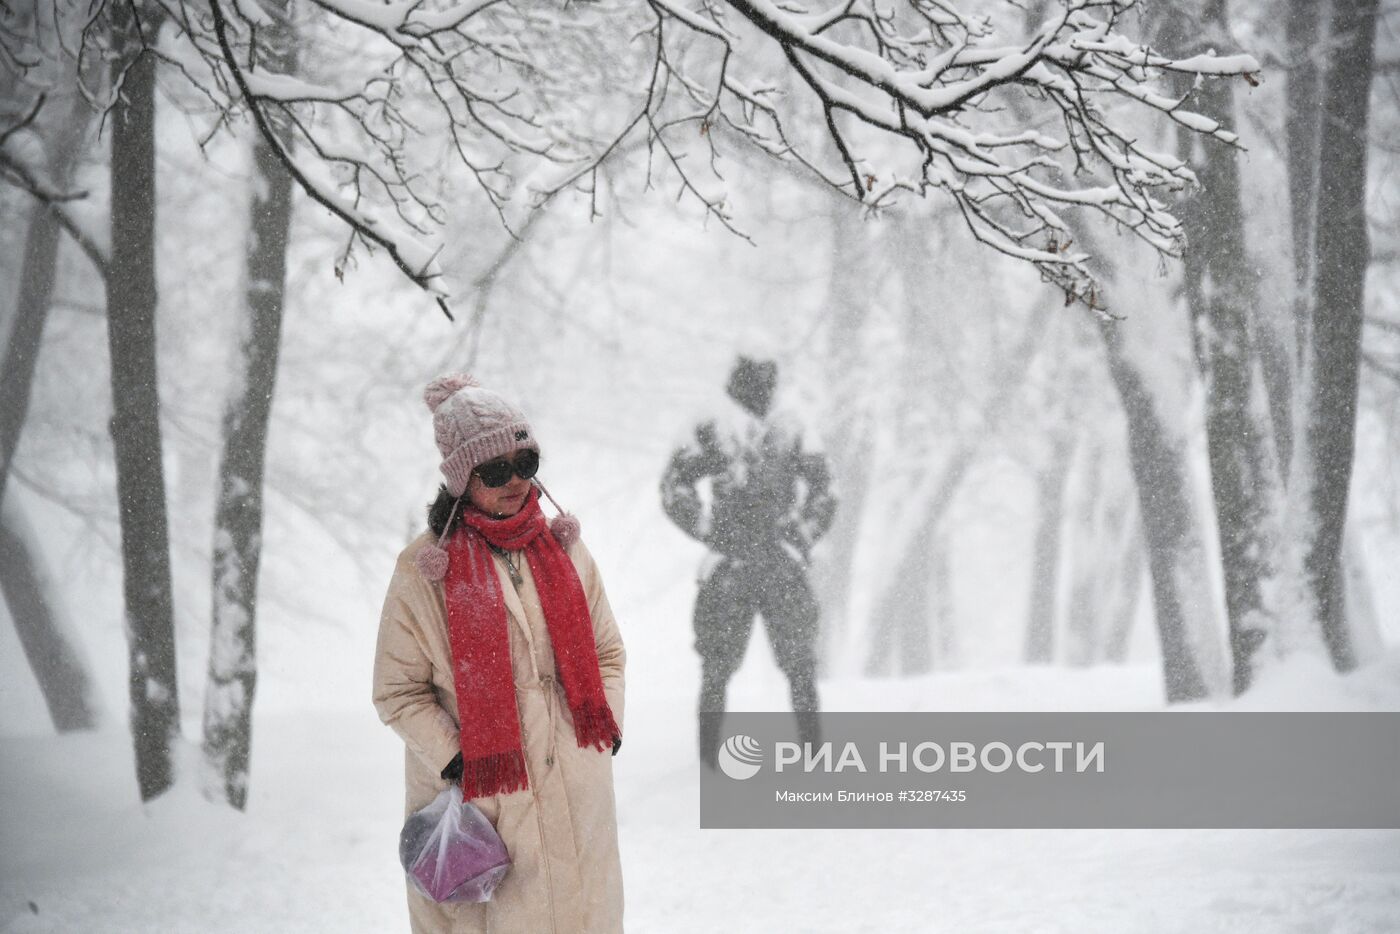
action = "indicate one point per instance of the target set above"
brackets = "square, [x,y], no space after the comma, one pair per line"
[498,472]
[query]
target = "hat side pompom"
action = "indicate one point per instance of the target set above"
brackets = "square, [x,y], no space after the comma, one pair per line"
[432,563]
[566,529]
[442,388]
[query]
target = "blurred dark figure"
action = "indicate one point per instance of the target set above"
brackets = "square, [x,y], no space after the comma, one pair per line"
[768,502]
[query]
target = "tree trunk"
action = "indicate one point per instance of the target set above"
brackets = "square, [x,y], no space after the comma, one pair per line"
[836,562]
[1306,42]
[1102,558]
[850,440]
[901,630]
[1222,297]
[52,653]
[1088,557]
[905,596]
[1365,623]
[1175,557]
[238,517]
[1174,554]
[35,290]
[22,348]
[1341,254]
[44,633]
[1302,123]
[135,428]
[899,616]
[1045,560]
[1124,610]
[916,631]
[944,645]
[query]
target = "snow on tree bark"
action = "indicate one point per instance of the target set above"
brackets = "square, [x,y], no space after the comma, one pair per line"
[238,517]
[1222,298]
[135,427]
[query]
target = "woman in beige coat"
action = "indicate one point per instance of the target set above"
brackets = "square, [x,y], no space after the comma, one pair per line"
[497,620]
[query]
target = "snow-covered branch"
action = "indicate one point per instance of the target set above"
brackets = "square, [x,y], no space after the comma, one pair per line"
[1028,131]
[417,86]
[913,98]
[418,263]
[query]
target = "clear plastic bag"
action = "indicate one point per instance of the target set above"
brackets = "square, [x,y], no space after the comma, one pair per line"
[451,852]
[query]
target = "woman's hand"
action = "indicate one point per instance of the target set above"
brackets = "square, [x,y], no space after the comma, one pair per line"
[453,771]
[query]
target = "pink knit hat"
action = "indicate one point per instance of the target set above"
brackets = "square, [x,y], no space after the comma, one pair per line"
[473,425]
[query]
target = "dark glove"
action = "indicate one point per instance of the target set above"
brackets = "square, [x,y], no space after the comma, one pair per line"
[617,744]
[453,772]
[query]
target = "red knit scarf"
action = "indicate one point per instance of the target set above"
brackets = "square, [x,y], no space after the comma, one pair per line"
[493,760]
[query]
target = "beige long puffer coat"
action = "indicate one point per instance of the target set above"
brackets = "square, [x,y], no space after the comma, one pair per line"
[565,877]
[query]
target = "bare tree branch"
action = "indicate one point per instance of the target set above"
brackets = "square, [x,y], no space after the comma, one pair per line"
[1388,370]
[422,274]
[53,200]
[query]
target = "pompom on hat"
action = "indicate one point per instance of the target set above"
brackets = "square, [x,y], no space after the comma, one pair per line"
[432,561]
[473,425]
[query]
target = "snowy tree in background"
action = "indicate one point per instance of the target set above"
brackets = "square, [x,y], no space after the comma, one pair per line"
[385,114]
[136,430]
[238,517]
[1328,126]
[1222,298]
[51,645]
[909,95]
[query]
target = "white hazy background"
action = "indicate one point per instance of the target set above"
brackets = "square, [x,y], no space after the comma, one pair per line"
[615,335]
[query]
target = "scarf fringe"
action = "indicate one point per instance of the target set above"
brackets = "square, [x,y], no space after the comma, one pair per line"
[497,774]
[594,726]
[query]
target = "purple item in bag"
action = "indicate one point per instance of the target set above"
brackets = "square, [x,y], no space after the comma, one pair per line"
[451,852]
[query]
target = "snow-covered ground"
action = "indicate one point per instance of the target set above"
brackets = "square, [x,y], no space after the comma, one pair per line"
[316,849]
